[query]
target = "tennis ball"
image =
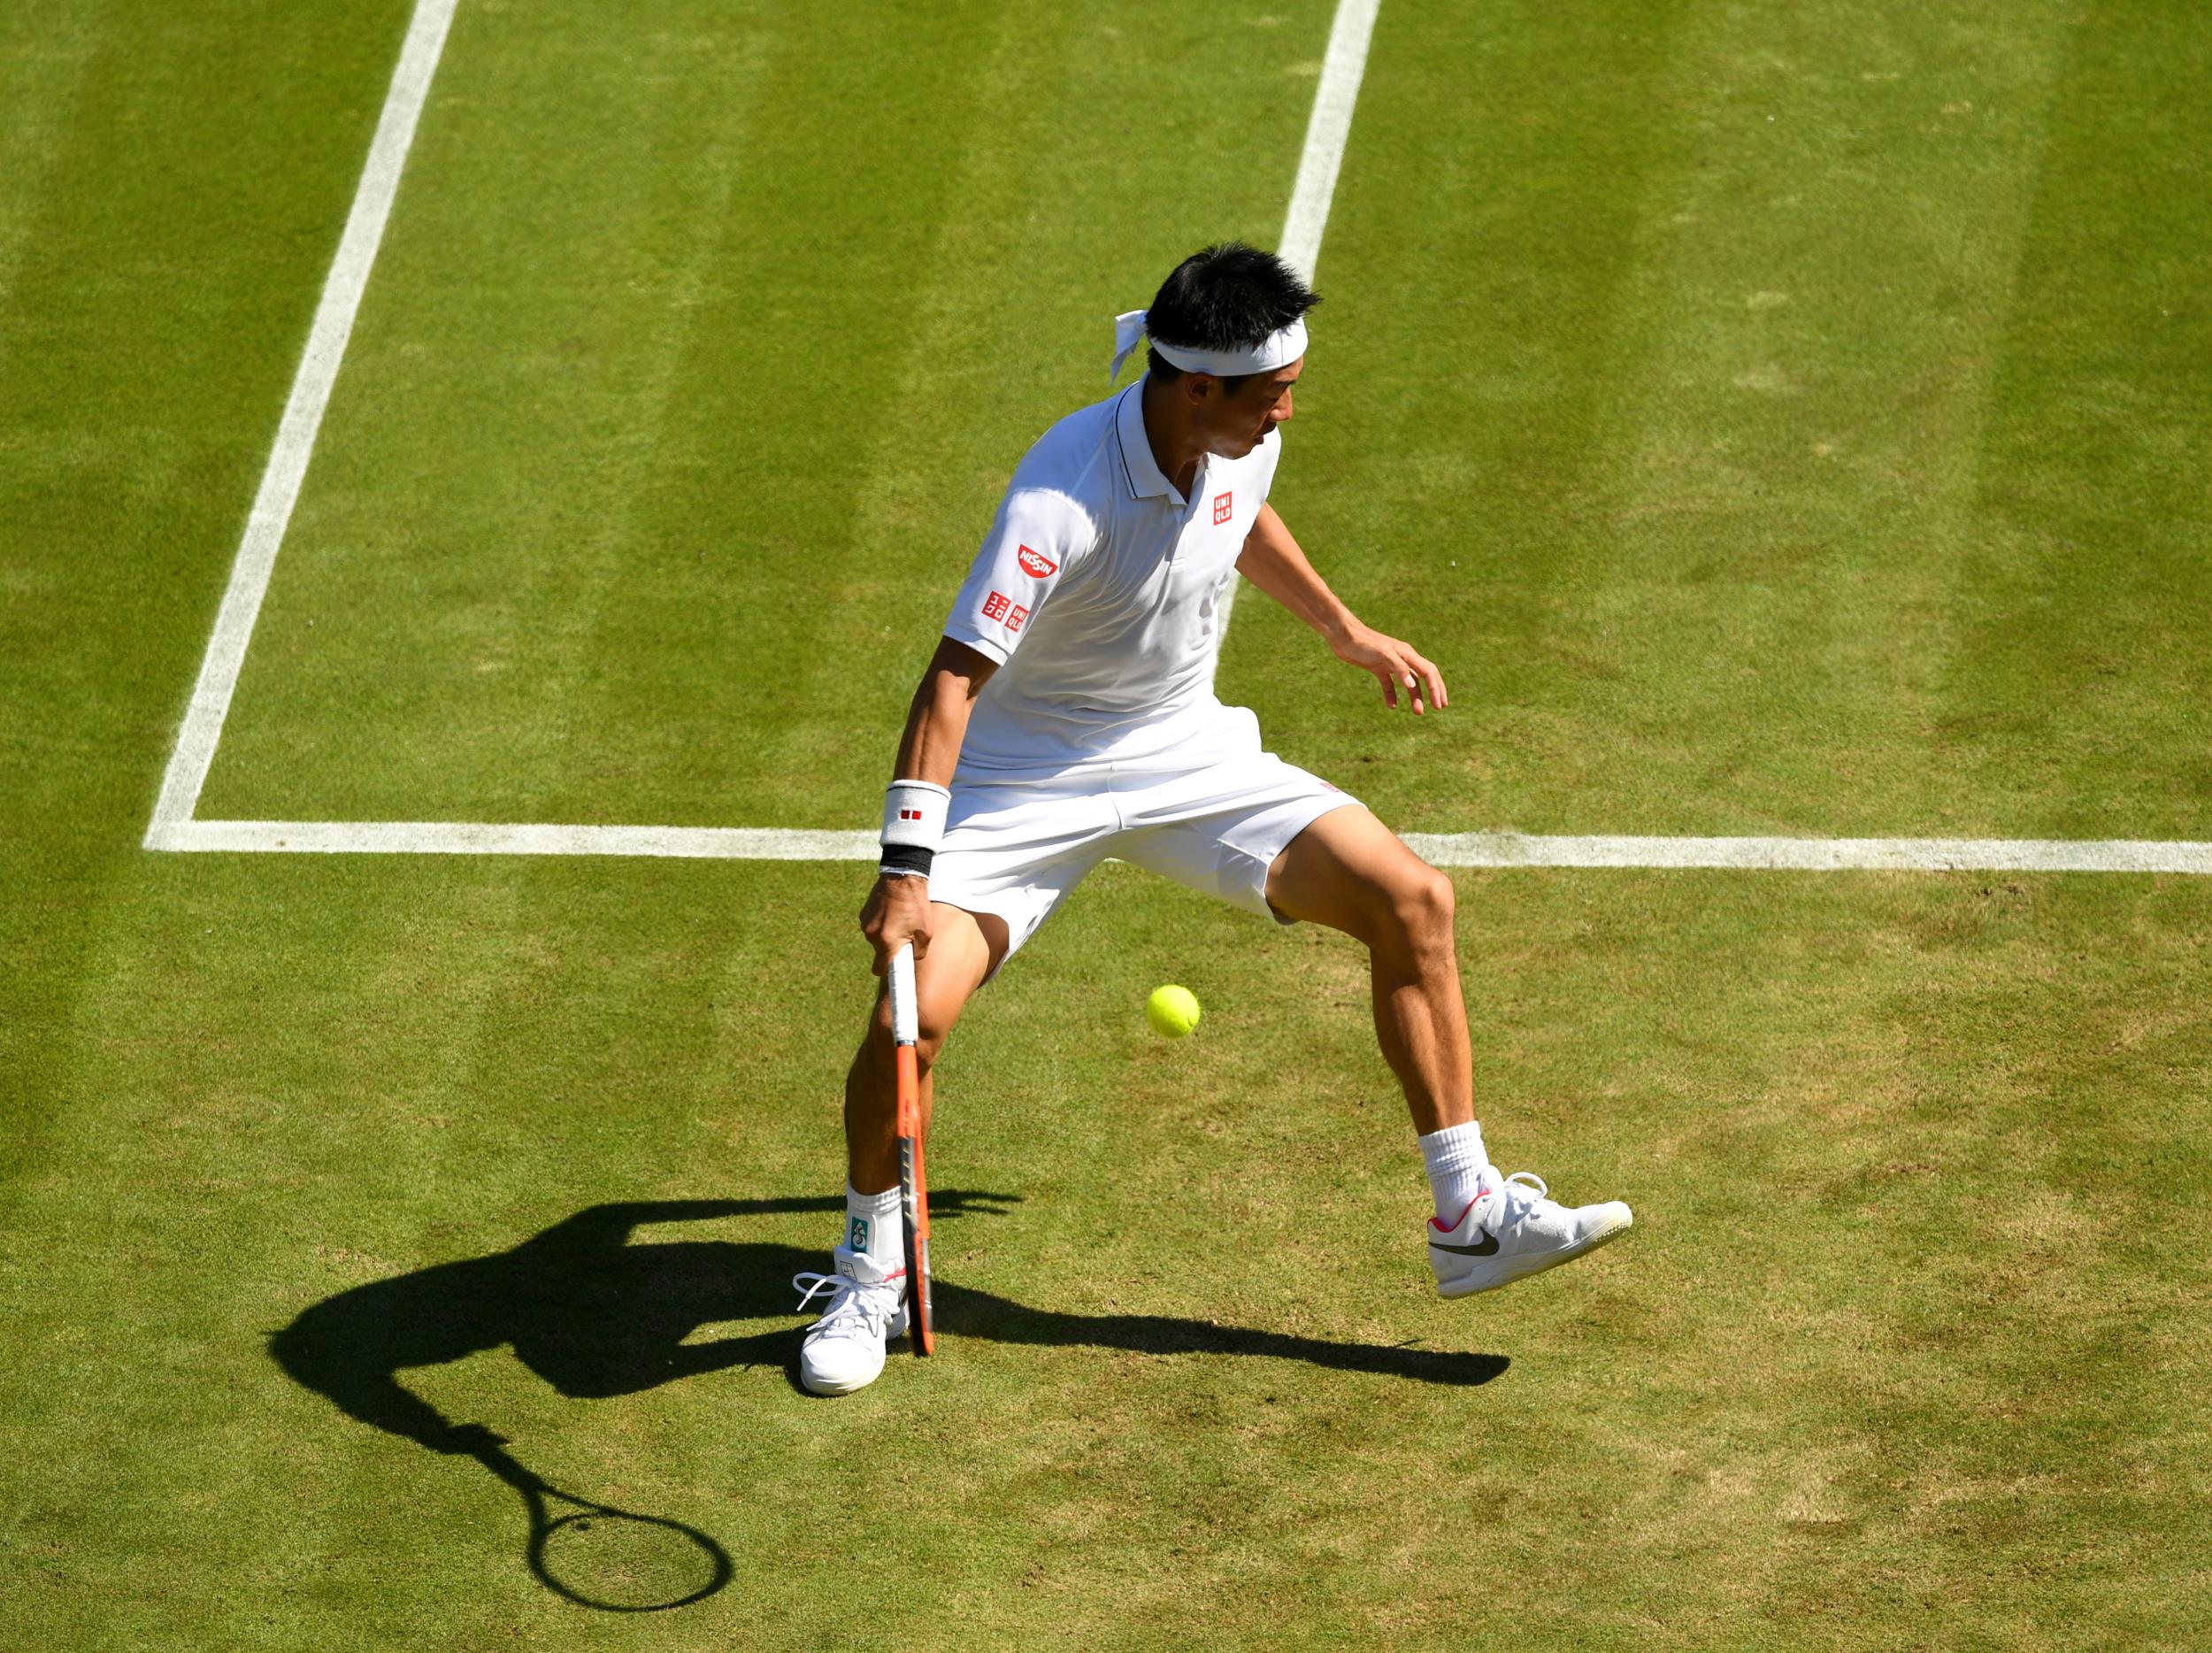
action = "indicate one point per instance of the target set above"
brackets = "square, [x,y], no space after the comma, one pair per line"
[1172,1012]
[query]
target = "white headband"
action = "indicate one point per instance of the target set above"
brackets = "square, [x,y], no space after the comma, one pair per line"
[1277,349]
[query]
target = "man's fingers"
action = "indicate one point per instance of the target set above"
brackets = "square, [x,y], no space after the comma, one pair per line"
[897,915]
[1435,679]
[1423,683]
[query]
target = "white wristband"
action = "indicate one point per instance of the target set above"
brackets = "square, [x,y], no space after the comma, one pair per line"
[914,815]
[913,827]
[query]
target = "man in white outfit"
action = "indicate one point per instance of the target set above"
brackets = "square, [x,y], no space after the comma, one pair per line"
[1068,715]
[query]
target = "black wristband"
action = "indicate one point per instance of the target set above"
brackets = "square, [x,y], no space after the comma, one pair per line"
[907,858]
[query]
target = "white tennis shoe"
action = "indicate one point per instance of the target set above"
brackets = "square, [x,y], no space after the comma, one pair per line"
[1513,1227]
[843,1350]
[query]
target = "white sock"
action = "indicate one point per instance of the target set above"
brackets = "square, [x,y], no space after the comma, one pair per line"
[1456,1161]
[874,1226]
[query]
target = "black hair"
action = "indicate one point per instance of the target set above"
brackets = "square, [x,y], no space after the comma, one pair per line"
[1228,297]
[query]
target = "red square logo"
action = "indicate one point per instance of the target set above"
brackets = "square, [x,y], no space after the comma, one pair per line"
[1014,620]
[1221,507]
[995,605]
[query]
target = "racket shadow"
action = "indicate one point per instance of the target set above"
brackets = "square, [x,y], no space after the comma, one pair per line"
[614,1560]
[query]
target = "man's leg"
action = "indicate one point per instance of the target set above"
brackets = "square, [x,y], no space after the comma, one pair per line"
[1348,871]
[964,950]
[1351,873]
[844,1350]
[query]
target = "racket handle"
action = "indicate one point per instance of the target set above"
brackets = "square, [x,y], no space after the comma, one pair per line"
[906,1021]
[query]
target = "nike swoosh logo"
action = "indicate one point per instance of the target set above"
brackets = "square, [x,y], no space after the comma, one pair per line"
[1488,1248]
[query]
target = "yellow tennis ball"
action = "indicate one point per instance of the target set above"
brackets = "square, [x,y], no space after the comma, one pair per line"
[1172,1012]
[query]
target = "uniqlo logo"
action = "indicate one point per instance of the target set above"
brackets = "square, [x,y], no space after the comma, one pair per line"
[1035,563]
[1221,507]
[995,605]
[1014,620]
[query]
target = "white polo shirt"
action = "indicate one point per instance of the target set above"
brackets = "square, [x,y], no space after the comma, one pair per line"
[1098,591]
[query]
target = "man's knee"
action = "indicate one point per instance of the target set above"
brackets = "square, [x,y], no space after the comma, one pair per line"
[934,1018]
[1421,907]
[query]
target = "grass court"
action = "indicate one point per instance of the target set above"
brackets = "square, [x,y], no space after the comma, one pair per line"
[1774,421]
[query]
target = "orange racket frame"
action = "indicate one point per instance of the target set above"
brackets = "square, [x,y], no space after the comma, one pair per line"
[913,1180]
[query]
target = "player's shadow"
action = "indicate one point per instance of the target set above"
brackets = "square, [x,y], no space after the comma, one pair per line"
[583,1307]
[596,1315]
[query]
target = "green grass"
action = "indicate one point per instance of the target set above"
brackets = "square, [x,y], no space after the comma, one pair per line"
[1776,421]
[1828,473]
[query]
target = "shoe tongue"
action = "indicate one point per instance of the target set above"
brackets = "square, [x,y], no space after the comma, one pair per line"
[860,1268]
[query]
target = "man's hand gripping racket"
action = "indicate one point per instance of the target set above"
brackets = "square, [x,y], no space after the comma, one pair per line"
[906,1031]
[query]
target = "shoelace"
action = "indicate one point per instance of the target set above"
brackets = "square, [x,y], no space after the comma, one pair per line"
[1521,1190]
[856,1311]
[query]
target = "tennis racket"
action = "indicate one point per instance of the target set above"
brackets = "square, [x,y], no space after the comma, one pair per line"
[906,1031]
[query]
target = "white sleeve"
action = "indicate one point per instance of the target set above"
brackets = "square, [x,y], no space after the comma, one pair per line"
[1037,533]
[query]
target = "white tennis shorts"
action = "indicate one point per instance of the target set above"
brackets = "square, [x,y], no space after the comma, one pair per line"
[1017,847]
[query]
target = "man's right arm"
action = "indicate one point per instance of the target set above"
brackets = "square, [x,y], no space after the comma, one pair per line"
[898,908]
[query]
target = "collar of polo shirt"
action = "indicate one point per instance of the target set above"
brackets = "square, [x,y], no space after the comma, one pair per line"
[1141,470]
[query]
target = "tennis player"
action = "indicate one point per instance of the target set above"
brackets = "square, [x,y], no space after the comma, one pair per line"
[1069,714]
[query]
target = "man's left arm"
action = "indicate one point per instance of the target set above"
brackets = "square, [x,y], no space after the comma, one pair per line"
[1271,561]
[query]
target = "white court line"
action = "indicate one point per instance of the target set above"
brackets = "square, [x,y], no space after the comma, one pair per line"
[1815,854]
[1342,68]
[713,843]
[286,469]
[1331,123]
[1463,849]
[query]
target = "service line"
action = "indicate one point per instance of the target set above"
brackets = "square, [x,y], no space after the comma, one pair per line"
[1453,849]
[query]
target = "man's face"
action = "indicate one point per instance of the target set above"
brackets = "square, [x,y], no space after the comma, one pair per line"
[1233,425]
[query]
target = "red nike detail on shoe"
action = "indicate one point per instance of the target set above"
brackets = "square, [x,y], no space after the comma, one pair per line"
[1441,1227]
